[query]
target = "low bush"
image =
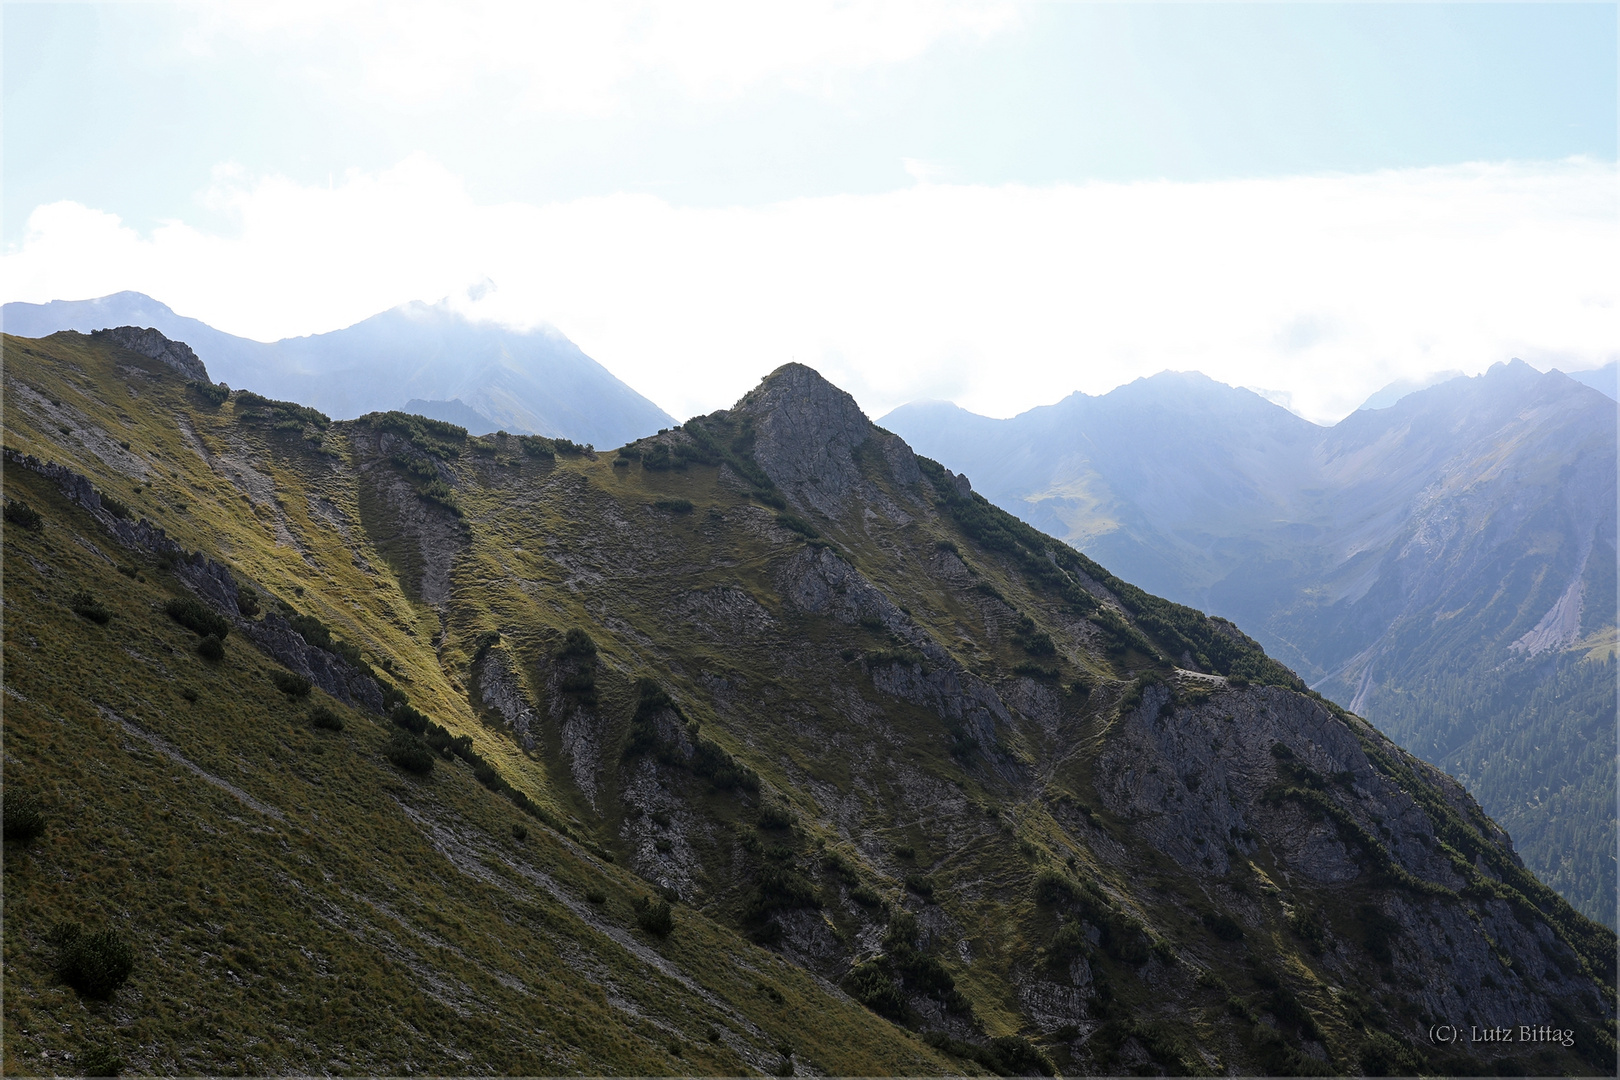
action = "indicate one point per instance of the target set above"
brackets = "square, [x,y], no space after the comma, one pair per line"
[211,394]
[920,885]
[520,831]
[654,916]
[1222,925]
[576,643]
[674,506]
[212,649]
[793,523]
[409,753]
[113,506]
[21,815]
[865,896]
[596,896]
[325,719]
[197,617]
[295,686]
[312,630]
[247,602]
[95,965]
[87,606]
[23,516]
[774,817]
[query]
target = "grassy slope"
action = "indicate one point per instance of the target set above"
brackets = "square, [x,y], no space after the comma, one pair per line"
[552,543]
[374,921]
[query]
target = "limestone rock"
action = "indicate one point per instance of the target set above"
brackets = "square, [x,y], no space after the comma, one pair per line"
[153,345]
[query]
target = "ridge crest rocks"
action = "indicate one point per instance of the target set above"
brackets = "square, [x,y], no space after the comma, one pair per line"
[811,436]
[151,344]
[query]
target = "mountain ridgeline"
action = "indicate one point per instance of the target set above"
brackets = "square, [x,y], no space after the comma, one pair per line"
[1444,565]
[423,357]
[760,744]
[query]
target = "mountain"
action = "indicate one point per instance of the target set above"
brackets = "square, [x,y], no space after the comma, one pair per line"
[479,375]
[1441,565]
[763,744]
[1605,378]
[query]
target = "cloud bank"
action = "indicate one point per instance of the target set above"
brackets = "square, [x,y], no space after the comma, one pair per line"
[1319,289]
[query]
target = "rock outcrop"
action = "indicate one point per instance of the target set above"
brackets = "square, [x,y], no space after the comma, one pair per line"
[810,438]
[154,346]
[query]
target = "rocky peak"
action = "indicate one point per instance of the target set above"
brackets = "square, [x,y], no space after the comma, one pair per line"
[810,437]
[153,345]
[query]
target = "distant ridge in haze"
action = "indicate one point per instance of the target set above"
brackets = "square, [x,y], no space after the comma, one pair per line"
[525,382]
[1444,564]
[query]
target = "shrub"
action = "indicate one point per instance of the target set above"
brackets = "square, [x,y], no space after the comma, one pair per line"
[409,753]
[796,524]
[212,394]
[771,499]
[920,885]
[95,965]
[113,506]
[721,769]
[211,649]
[520,831]
[674,506]
[23,516]
[313,631]
[325,719]
[100,1061]
[577,643]
[197,617]
[22,817]
[654,916]
[774,817]
[1222,925]
[247,602]
[865,896]
[870,985]
[410,718]
[292,685]
[1052,887]
[596,896]
[87,606]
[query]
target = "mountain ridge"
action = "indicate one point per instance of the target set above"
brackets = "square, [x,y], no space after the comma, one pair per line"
[979,804]
[1390,559]
[529,382]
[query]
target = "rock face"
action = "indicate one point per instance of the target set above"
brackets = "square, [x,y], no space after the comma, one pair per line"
[153,345]
[809,435]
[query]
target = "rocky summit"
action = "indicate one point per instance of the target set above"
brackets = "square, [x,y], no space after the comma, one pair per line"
[758,745]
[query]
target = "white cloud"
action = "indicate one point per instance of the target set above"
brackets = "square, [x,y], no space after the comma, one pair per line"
[585,57]
[1323,288]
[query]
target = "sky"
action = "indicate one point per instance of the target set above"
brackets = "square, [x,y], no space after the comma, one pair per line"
[995,203]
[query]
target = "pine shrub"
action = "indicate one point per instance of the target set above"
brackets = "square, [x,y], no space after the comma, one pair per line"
[295,686]
[211,649]
[23,516]
[409,753]
[22,817]
[95,965]
[654,916]
[325,719]
[87,606]
[197,617]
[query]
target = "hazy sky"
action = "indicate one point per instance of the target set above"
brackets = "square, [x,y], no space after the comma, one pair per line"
[996,203]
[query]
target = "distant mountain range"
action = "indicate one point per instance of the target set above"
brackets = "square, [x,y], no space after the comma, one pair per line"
[424,358]
[1445,565]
